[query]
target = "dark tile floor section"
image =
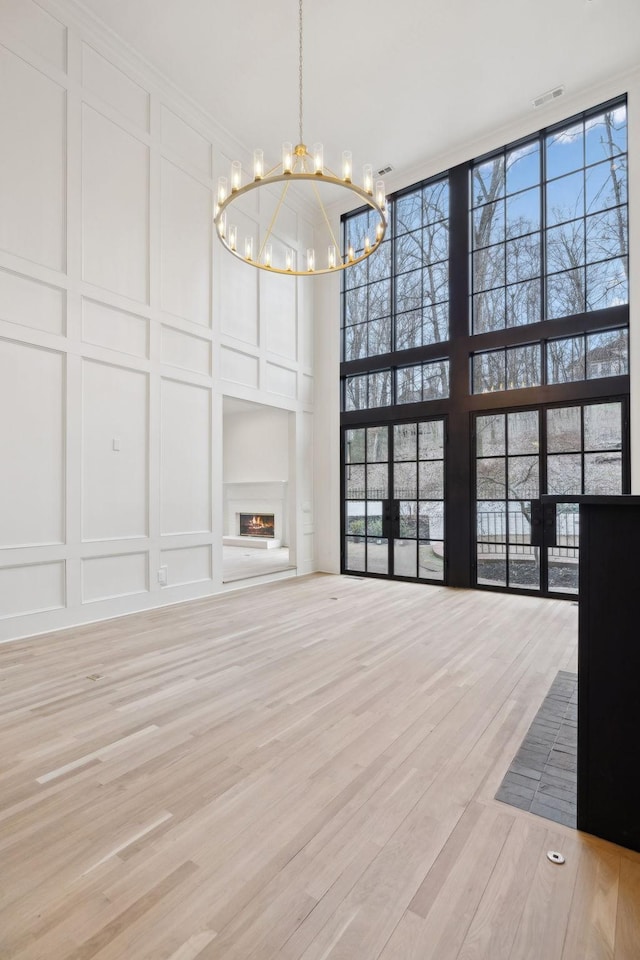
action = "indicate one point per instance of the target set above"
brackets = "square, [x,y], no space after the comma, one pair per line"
[542,777]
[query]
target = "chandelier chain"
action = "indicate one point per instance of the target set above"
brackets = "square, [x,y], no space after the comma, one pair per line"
[300,140]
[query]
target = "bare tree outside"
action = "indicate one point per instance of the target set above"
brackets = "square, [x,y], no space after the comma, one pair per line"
[585,242]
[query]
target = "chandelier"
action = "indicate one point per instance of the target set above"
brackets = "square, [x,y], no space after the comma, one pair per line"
[299,166]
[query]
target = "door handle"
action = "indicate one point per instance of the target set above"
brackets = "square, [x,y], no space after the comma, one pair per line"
[386,519]
[537,531]
[550,533]
[395,520]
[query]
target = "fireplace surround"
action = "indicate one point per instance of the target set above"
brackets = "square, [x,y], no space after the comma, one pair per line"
[256,499]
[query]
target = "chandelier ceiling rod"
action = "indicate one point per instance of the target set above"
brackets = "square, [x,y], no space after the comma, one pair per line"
[300,140]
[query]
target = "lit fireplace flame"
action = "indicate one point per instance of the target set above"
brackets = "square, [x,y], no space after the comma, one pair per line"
[256,525]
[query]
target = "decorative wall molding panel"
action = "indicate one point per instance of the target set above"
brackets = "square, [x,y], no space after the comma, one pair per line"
[112,86]
[32,185]
[187,565]
[32,444]
[185,240]
[106,326]
[31,588]
[30,303]
[238,367]
[40,32]
[104,578]
[185,445]
[114,452]
[115,208]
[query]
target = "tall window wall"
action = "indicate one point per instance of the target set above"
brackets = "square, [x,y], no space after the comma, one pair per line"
[503,285]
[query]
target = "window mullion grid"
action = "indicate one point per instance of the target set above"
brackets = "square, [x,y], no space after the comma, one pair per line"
[542,480]
[507,572]
[543,245]
[584,221]
[504,223]
[626,445]
[584,217]
[393,271]
[343,306]
[393,240]
[582,463]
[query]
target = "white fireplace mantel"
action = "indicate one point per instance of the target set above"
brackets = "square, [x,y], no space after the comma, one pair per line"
[253,496]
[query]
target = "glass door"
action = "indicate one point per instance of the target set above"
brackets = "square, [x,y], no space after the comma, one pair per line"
[394,500]
[418,504]
[507,500]
[561,450]
[366,500]
[585,444]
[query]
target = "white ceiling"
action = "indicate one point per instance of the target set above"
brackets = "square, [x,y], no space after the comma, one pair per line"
[395,82]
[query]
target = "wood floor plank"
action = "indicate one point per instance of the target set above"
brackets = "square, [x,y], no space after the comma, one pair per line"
[627,944]
[545,917]
[299,771]
[493,929]
[450,912]
[591,932]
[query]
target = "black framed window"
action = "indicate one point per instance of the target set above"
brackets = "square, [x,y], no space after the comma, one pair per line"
[586,214]
[588,356]
[604,353]
[502,285]
[369,390]
[549,219]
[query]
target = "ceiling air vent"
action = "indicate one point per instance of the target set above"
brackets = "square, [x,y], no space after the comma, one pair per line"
[548,96]
[383,171]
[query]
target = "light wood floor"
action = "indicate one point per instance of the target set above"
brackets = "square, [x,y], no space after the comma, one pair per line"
[302,771]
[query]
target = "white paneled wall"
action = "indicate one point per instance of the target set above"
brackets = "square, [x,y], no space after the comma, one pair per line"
[122,325]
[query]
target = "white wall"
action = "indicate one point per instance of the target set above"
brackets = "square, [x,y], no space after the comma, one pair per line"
[327,308]
[122,324]
[256,445]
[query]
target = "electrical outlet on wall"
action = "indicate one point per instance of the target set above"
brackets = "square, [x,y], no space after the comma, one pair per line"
[162,576]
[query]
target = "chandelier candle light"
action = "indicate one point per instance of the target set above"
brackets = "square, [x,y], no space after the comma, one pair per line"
[299,165]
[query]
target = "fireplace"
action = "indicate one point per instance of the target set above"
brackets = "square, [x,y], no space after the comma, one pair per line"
[257,524]
[267,500]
